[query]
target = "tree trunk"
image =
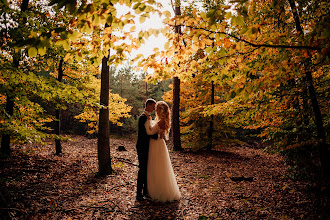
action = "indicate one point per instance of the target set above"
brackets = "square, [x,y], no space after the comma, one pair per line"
[5,138]
[318,120]
[58,145]
[176,96]
[103,143]
[176,114]
[211,128]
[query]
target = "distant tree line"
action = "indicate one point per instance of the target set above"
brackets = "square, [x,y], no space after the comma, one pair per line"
[129,85]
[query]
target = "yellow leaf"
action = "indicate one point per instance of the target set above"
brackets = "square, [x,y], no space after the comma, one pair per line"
[195,37]
[67,56]
[32,52]
[96,19]
[145,68]
[217,37]
[114,25]
[166,45]
[208,41]
[213,28]
[132,28]
[208,49]
[128,16]
[150,31]
[42,51]
[74,35]
[203,15]
[137,11]
[121,25]
[146,35]
[66,44]
[167,14]
[33,34]
[142,19]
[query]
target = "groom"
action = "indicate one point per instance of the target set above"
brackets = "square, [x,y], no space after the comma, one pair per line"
[142,147]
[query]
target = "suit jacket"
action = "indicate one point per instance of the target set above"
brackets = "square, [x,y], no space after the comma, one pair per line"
[142,144]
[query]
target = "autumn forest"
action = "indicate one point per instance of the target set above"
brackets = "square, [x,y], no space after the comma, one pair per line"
[247,82]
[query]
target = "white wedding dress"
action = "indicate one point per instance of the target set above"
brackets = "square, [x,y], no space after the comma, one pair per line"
[162,185]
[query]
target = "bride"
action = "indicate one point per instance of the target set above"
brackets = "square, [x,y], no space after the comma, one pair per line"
[161,182]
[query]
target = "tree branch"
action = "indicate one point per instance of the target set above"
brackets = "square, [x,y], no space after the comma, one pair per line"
[257,45]
[125,161]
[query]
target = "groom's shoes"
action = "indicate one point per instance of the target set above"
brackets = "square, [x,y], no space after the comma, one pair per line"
[146,196]
[140,197]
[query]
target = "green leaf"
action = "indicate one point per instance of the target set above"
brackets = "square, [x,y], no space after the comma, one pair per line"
[32,52]
[142,8]
[90,8]
[228,15]
[109,19]
[244,30]
[240,20]
[64,35]
[249,32]
[222,52]
[71,7]
[4,3]
[136,5]
[120,50]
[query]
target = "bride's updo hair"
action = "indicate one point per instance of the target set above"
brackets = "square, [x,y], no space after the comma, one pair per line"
[164,112]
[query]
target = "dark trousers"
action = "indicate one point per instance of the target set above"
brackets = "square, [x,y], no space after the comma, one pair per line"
[142,174]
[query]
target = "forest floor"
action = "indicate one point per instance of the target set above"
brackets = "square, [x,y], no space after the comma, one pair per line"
[36,184]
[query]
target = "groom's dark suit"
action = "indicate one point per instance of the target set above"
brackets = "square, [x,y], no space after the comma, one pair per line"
[142,147]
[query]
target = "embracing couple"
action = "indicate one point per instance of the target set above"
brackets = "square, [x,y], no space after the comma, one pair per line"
[156,179]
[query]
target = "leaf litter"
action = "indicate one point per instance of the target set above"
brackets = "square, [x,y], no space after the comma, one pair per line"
[237,182]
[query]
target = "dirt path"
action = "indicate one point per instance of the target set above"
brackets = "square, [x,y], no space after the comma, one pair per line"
[38,185]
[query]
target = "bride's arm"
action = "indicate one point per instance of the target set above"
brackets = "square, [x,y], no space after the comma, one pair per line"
[151,129]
